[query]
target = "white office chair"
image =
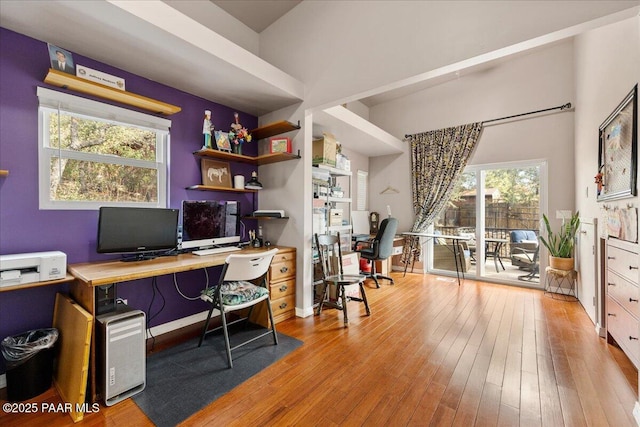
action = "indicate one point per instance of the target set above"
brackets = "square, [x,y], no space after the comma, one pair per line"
[235,292]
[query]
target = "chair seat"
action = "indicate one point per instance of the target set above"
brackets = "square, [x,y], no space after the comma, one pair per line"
[346,279]
[236,293]
[523,257]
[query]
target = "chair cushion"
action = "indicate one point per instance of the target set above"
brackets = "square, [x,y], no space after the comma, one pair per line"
[520,235]
[235,293]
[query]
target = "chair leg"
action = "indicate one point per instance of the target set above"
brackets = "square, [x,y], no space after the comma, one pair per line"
[206,326]
[226,336]
[344,304]
[363,295]
[380,276]
[374,274]
[322,298]
[273,324]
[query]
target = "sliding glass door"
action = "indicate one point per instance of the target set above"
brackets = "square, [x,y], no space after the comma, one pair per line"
[498,208]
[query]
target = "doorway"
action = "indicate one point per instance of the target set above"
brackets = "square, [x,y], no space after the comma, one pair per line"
[498,207]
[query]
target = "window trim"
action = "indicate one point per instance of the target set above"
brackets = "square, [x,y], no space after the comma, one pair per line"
[53,100]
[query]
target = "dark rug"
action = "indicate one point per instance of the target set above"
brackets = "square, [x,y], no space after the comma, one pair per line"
[184,379]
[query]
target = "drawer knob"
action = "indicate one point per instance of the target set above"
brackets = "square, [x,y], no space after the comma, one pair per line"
[284,270]
[633,338]
[611,257]
[633,300]
[611,284]
[283,305]
[632,267]
[283,288]
[611,314]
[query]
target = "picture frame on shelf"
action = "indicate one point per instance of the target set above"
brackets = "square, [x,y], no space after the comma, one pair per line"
[61,59]
[280,145]
[215,173]
[618,150]
[222,141]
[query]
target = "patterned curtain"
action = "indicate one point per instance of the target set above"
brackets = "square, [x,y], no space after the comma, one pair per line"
[438,158]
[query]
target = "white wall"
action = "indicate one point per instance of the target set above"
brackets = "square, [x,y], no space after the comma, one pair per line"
[539,80]
[607,64]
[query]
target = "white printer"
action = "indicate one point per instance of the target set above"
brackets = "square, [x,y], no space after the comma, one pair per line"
[18,269]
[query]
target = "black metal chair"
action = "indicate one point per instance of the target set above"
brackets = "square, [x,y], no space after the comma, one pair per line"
[234,292]
[330,257]
[380,247]
[528,261]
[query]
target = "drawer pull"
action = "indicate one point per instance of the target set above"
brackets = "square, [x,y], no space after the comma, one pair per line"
[611,314]
[283,305]
[284,270]
[633,300]
[611,284]
[611,257]
[632,267]
[633,338]
[285,287]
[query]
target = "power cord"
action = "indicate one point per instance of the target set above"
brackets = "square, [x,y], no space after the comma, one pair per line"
[175,283]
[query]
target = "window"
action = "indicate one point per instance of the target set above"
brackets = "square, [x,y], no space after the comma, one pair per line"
[93,154]
[361,202]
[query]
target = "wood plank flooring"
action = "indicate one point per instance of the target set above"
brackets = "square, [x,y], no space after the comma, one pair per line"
[432,353]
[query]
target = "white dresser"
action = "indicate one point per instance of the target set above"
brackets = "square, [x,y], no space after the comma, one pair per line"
[623,308]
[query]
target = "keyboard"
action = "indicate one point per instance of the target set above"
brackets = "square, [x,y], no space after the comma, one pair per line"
[214,251]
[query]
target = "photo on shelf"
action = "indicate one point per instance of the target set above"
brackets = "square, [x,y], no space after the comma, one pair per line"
[61,59]
[215,173]
[222,141]
[280,145]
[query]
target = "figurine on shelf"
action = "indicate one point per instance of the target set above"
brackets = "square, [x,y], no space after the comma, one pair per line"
[238,135]
[207,129]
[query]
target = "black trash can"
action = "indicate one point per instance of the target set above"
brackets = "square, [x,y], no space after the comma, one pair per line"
[29,359]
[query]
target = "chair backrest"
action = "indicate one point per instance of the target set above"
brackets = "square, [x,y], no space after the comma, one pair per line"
[247,266]
[384,238]
[329,254]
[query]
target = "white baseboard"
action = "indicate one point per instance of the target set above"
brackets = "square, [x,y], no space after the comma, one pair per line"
[304,312]
[181,323]
[636,412]
[601,331]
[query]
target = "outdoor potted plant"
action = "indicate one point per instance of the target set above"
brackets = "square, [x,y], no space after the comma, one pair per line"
[560,244]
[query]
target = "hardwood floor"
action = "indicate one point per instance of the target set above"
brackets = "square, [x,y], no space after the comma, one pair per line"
[432,353]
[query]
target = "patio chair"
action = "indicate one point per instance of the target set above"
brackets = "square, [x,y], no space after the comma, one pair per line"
[529,262]
[522,241]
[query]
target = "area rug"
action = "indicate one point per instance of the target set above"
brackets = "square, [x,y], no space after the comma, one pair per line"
[184,379]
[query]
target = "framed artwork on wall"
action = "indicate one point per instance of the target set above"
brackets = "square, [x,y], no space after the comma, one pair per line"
[222,141]
[618,150]
[215,173]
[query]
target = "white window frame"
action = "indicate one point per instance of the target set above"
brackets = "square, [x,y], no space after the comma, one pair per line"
[50,100]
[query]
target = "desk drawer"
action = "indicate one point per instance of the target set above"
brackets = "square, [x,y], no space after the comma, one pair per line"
[624,292]
[282,305]
[282,270]
[284,256]
[623,327]
[282,289]
[623,262]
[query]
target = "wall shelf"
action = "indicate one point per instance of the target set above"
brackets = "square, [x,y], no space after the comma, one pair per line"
[272,129]
[264,159]
[201,187]
[4,172]
[69,81]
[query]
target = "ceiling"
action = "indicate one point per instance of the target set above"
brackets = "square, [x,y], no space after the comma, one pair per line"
[136,36]
[256,14]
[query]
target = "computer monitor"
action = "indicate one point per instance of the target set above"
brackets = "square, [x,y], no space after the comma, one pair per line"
[143,233]
[209,223]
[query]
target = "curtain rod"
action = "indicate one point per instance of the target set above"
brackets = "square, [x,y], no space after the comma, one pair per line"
[560,107]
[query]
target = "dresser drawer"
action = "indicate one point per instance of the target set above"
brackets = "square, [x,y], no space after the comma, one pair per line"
[282,270]
[282,289]
[623,327]
[623,262]
[624,292]
[283,256]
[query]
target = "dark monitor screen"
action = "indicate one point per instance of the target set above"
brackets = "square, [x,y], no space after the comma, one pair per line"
[137,230]
[209,223]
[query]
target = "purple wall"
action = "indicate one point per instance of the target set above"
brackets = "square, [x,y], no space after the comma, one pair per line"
[24,62]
